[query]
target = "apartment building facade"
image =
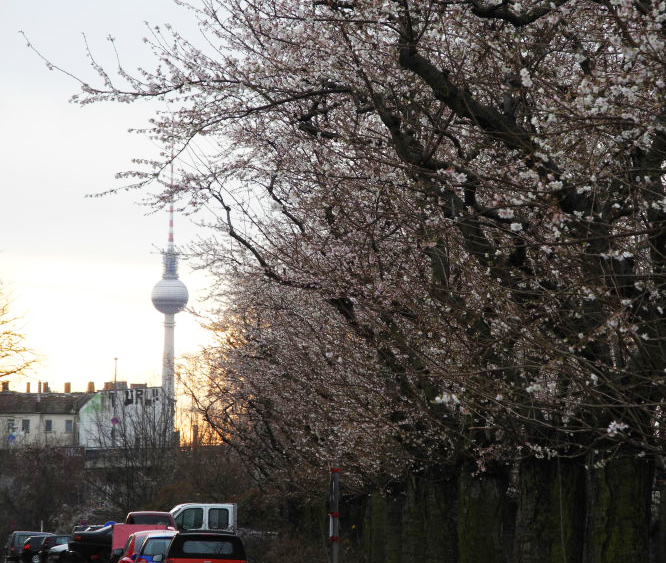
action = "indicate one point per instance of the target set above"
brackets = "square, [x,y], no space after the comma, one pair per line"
[39,418]
[116,416]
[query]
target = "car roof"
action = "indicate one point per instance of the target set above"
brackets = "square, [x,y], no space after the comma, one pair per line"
[57,536]
[160,533]
[207,533]
[144,533]
[38,535]
[201,504]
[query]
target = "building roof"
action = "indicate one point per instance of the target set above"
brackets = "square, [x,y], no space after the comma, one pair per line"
[44,403]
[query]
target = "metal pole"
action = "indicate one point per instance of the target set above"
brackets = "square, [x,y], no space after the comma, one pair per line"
[334,514]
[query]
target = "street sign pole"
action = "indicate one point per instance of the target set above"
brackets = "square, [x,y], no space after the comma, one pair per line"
[334,514]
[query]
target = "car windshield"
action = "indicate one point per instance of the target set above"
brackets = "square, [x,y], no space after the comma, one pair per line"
[151,519]
[156,546]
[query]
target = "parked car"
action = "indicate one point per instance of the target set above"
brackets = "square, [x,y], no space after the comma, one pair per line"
[135,541]
[62,554]
[93,544]
[46,543]
[200,547]
[31,546]
[106,544]
[156,543]
[13,545]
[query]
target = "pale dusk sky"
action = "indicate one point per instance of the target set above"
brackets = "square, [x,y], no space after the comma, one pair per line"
[80,270]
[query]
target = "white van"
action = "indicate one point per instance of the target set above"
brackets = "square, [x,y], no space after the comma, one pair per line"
[211,516]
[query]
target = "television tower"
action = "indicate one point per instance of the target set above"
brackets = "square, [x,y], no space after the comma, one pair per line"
[169,297]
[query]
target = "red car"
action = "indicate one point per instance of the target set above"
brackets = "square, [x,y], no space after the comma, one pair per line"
[204,547]
[133,545]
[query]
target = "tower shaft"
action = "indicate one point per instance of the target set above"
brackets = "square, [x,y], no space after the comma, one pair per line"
[168,364]
[169,296]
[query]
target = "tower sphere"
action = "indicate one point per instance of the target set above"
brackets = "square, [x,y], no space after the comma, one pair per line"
[169,296]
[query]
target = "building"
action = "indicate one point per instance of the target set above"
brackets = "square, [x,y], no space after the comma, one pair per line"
[118,417]
[115,417]
[40,418]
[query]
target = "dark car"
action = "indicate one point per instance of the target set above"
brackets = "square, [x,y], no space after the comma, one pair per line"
[31,546]
[93,545]
[14,544]
[62,554]
[47,543]
[200,547]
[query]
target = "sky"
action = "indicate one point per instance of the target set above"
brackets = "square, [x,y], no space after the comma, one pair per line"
[80,270]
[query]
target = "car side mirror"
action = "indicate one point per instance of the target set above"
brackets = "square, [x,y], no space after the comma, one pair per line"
[159,557]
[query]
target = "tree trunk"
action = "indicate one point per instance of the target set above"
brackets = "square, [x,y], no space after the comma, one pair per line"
[618,511]
[383,532]
[429,519]
[482,507]
[659,537]
[551,512]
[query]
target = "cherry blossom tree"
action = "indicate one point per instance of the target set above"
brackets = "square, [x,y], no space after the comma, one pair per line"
[442,231]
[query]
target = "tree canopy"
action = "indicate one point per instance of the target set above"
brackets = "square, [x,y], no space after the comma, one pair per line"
[441,225]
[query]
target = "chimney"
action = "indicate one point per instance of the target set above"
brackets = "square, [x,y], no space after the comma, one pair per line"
[91,387]
[45,387]
[5,385]
[27,387]
[68,387]
[39,387]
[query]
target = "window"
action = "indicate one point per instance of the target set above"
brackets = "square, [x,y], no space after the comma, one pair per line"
[156,546]
[205,546]
[208,548]
[25,426]
[218,518]
[190,519]
[48,426]
[69,426]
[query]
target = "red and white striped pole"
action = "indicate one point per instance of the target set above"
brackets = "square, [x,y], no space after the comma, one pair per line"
[334,514]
